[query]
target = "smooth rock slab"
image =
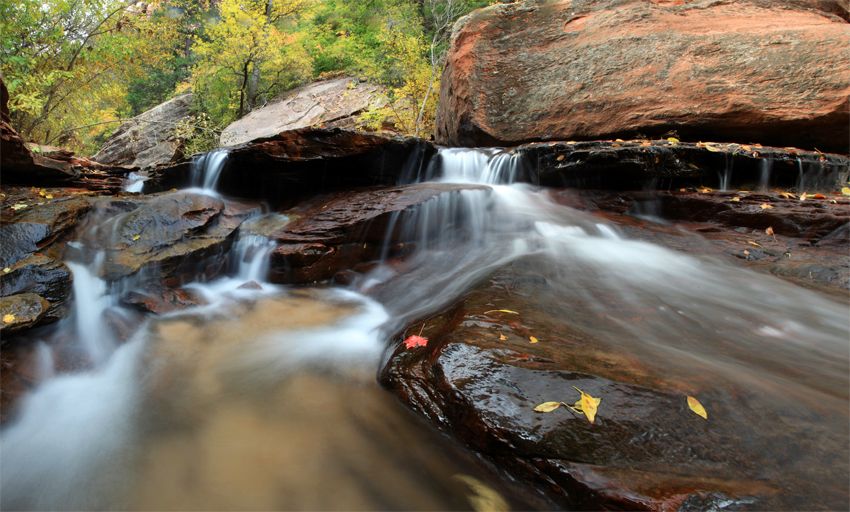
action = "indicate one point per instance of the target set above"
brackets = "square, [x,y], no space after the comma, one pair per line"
[769,72]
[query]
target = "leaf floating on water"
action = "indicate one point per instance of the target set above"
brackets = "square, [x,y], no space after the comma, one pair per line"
[697,407]
[8,318]
[765,206]
[845,191]
[501,311]
[547,407]
[532,339]
[415,341]
[483,498]
[589,405]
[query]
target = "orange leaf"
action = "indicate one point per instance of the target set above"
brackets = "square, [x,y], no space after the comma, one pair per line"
[415,341]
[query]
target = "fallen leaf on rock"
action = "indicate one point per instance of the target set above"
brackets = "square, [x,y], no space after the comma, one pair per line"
[754,244]
[804,196]
[483,498]
[704,190]
[769,232]
[8,318]
[6,270]
[819,196]
[547,407]
[697,407]
[746,148]
[845,191]
[136,237]
[588,405]
[712,147]
[502,337]
[415,341]
[533,339]
[18,206]
[765,206]
[501,311]
[672,140]
[645,144]
[560,157]
[746,253]
[48,196]
[736,199]
[42,192]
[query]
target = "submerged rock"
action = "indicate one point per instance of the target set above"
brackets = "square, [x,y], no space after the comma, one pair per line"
[149,138]
[481,376]
[332,103]
[753,70]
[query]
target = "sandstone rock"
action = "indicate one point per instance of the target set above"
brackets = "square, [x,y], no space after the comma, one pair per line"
[480,378]
[21,311]
[324,236]
[328,103]
[748,71]
[31,263]
[172,237]
[300,163]
[147,139]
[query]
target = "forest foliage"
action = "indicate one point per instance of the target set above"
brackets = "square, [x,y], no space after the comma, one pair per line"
[76,69]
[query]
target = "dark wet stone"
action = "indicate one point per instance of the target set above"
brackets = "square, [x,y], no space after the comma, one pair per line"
[21,311]
[161,300]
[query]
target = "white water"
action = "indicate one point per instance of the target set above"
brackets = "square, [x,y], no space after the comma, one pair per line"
[78,439]
[206,169]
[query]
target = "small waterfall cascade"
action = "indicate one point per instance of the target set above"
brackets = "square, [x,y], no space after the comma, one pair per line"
[206,169]
[91,302]
[766,167]
[726,175]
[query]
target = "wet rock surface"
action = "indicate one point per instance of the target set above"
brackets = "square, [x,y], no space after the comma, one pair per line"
[169,237]
[297,164]
[321,237]
[481,375]
[748,71]
[633,164]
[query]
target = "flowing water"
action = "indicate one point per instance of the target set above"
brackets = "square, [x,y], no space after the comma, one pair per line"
[265,397]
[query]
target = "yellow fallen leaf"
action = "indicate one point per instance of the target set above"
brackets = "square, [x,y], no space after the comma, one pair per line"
[136,237]
[560,157]
[787,195]
[502,337]
[501,311]
[547,407]
[672,140]
[711,147]
[765,206]
[697,407]
[704,190]
[736,199]
[6,270]
[769,231]
[589,405]
[845,191]
[483,498]
[42,192]
[804,196]
[746,148]
[48,196]
[645,143]
[533,339]
[18,206]
[754,244]
[8,318]
[746,252]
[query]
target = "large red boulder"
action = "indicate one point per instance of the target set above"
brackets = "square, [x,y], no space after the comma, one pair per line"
[752,70]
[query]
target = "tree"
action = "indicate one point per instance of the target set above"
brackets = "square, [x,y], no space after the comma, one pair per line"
[67,62]
[245,57]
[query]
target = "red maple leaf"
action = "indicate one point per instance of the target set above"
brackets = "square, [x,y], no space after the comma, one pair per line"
[415,341]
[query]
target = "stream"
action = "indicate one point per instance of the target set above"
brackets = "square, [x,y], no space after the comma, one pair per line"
[266,397]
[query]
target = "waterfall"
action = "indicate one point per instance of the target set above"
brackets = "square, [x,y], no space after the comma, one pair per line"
[90,304]
[206,169]
[764,177]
